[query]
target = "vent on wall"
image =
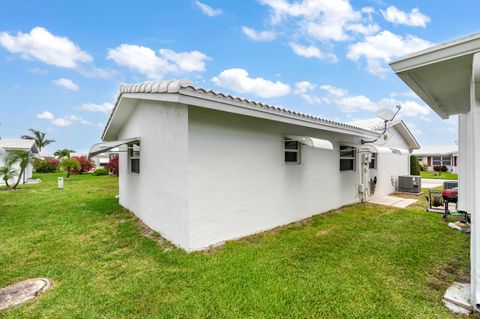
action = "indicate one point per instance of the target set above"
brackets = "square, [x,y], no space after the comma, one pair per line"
[409,184]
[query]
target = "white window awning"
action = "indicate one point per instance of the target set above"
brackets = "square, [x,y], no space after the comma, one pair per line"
[107,146]
[376,149]
[312,141]
[400,151]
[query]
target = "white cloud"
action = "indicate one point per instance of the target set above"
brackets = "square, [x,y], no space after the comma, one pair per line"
[193,61]
[382,47]
[261,36]
[78,119]
[323,20]
[414,18]
[147,62]
[303,87]
[46,115]
[332,90]
[40,44]
[207,10]
[93,107]
[239,81]
[364,29]
[67,84]
[356,103]
[61,122]
[311,99]
[312,52]
[410,108]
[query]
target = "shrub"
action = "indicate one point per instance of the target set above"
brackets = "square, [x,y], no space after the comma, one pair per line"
[86,164]
[440,168]
[70,165]
[414,165]
[47,165]
[113,165]
[100,172]
[424,167]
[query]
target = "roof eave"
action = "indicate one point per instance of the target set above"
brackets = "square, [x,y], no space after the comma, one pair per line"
[444,51]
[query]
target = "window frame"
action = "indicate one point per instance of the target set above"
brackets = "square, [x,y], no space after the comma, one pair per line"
[373,159]
[352,158]
[297,150]
[131,157]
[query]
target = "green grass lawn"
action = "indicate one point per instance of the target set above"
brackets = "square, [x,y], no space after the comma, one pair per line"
[361,261]
[443,175]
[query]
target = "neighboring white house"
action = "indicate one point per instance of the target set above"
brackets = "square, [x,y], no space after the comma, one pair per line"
[202,167]
[10,144]
[447,78]
[438,156]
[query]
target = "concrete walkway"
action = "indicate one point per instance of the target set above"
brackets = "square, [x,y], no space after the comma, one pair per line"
[432,183]
[393,201]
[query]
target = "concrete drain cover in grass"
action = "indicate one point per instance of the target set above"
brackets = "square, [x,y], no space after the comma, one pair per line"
[22,291]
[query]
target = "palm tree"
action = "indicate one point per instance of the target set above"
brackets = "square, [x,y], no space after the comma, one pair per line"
[7,173]
[63,153]
[39,138]
[23,158]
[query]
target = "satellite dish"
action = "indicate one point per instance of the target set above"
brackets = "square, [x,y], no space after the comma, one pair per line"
[387,114]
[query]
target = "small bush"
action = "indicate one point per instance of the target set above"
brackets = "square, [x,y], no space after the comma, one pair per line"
[113,165]
[86,164]
[47,165]
[440,168]
[424,167]
[100,172]
[414,165]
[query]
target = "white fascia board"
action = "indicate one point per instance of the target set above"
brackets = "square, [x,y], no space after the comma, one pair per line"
[444,51]
[192,99]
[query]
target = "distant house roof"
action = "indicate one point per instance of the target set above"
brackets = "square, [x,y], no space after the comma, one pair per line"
[18,144]
[378,125]
[432,150]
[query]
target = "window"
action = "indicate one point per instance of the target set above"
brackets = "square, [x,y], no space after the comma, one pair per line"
[442,160]
[446,160]
[134,157]
[373,161]
[347,158]
[292,152]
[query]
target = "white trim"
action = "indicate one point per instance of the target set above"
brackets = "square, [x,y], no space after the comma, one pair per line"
[312,141]
[104,147]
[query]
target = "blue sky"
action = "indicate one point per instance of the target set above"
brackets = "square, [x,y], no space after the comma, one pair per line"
[61,62]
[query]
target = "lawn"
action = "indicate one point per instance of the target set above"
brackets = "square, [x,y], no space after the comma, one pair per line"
[443,175]
[360,261]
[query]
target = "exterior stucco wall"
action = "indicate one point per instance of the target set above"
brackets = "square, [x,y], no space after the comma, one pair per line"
[158,195]
[16,166]
[390,166]
[239,183]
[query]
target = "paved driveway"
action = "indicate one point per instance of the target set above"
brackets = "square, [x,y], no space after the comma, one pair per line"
[432,183]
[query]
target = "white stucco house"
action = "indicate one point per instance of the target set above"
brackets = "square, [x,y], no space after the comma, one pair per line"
[438,155]
[447,78]
[202,167]
[10,144]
